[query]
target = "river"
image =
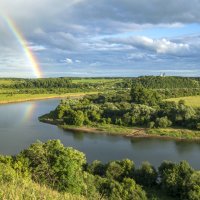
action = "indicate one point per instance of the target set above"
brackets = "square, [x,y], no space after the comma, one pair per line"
[19,127]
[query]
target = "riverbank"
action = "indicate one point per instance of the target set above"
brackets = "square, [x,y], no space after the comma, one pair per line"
[30,97]
[132,132]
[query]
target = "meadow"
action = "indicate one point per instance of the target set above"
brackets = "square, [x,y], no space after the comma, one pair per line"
[17,90]
[193,101]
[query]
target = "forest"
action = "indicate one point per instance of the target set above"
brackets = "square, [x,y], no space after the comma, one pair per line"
[57,172]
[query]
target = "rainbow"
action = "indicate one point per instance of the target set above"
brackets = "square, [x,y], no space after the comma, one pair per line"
[22,41]
[28,112]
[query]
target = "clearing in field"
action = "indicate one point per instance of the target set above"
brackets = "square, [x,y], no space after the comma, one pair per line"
[193,101]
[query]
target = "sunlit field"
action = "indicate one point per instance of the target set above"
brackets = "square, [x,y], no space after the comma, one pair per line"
[193,101]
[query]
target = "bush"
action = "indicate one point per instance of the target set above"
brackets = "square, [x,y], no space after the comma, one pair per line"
[163,122]
[7,173]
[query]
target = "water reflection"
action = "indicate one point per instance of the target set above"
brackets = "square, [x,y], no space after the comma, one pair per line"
[187,146]
[19,127]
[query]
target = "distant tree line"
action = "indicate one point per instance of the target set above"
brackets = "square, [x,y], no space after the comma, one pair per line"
[169,82]
[167,87]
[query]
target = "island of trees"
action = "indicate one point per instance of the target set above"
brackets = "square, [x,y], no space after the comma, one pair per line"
[51,171]
[138,110]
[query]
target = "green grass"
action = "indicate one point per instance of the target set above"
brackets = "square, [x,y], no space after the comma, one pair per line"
[179,133]
[8,98]
[107,129]
[10,94]
[95,80]
[193,101]
[26,189]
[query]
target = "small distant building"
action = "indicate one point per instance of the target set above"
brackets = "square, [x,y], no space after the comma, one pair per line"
[162,74]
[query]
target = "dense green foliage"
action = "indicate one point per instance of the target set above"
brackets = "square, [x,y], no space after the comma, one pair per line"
[169,82]
[65,169]
[140,107]
[168,87]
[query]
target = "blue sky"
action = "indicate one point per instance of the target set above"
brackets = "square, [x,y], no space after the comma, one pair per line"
[102,38]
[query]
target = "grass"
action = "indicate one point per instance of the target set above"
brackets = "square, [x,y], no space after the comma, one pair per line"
[95,80]
[138,132]
[9,94]
[193,101]
[26,189]
[179,133]
[9,98]
[107,129]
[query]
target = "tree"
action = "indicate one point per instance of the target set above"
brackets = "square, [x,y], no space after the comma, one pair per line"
[146,175]
[126,190]
[56,166]
[174,178]
[74,117]
[193,186]
[97,168]
[141,95]
[118,170]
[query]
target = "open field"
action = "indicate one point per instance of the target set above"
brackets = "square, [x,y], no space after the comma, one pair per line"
[193,101]
[95,80]
[11,89]
[6,82]
[5,98]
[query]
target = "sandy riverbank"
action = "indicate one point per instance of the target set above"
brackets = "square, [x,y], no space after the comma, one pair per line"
[132,132]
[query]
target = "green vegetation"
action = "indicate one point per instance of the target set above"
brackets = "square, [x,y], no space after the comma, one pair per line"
[169,82]
[138,112]
[13,90]
[193,101]
[51,171]
[23,188]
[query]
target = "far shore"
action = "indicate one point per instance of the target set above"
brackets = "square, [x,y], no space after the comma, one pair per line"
[35,97]
[133,132]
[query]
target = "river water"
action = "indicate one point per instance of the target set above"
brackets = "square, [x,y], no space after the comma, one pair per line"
[19,127]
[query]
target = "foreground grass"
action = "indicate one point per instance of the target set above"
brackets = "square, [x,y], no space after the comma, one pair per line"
[25,189]
[193,101]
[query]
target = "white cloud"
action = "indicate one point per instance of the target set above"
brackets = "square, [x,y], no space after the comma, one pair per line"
[160,46]
[37,47]
[69,61]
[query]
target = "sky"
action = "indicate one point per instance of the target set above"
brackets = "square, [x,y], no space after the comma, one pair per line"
[85,38]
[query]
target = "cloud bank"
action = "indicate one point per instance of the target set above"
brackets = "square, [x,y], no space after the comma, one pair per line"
[85,37]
